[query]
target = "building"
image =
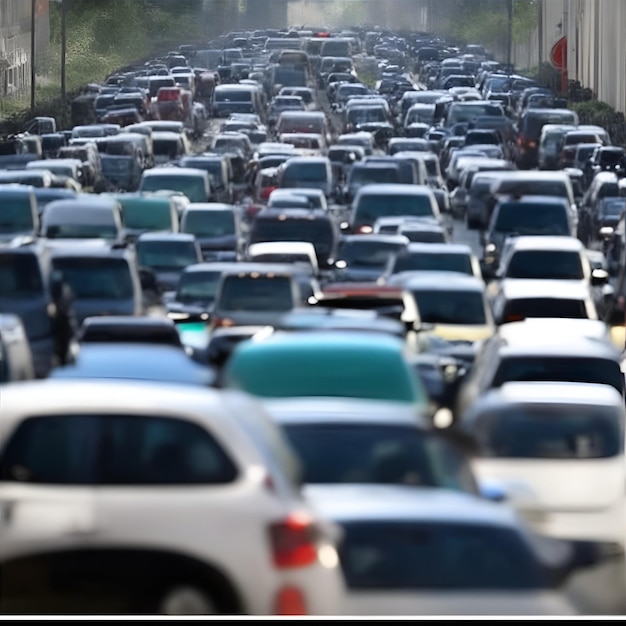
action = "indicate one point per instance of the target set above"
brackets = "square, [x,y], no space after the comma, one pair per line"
[15,42]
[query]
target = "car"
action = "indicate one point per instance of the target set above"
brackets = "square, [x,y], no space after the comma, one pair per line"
[16,358]
[451,305]
[428,551]
[345,440]
[326,364]
[538,438]
[558,349]
[363,258]
[300,253]
[437,257]
[132,475]
[518,299]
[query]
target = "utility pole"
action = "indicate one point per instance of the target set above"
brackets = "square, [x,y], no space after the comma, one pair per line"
[63,48]
[509,57]
[32,56]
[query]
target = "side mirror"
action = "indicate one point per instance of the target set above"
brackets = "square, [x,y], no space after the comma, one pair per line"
[494,491]
[599,277]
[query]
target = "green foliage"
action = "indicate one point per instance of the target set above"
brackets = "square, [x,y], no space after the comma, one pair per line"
[597,112]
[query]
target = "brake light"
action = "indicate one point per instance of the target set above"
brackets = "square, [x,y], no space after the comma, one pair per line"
[266,191]
[514,318]
[253,209]
[222,322]
[364,230]
[293,542]
[290,601]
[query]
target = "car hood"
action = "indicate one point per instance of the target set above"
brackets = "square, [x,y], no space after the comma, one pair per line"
[454,332]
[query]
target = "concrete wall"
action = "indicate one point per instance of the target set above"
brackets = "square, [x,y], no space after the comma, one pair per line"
[15,43]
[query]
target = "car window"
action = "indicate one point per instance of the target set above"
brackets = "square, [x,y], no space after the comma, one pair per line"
[113,450]
[166,255]
[546,264]
[437,555]
[451,307]
[20,276]
[209,223]
[248,293]
[198,287]
[358,453]
[545,432]
[559,369]
[528,220]
[375,254]
[96,278]
[446,262]
[522,308]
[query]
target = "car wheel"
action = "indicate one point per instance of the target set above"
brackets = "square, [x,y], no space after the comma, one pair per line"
[186,600]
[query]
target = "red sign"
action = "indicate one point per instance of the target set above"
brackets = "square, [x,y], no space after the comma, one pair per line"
[42,7]
[558,54]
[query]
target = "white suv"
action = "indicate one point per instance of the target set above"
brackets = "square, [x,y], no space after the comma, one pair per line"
[126,497]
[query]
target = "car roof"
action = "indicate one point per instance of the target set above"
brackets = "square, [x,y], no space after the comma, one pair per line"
[295,213]
[174,171]
[393,189]
[516,288]
[548,242]
[437,248]
[380,503]
[129,320]
[285,247]
[166,237]
[562,393]
[443,281]
[353,411]
[297,191]
[209,206]
[376,238]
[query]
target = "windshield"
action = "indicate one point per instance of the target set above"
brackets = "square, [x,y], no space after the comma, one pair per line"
[374,254]
[437,555]
[613,207]
[314,231]
[209,223]
[611,157]
[532,220]
[191,186]
[377,454]
[303,172]
[232,96]
[366,115]
[522,308]
[147,217]
[81,231]
[467,112]
[423,261]
[166,255]
[371,207]
[532,124]
[549,264]
[20,276]
[551,432]
[97,278]
[16,215]
[165,147]
[198,287]
[560,369]
[256,294]
[363,175]
[466,308]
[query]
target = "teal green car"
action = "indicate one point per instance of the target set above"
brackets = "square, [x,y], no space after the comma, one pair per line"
[326,364]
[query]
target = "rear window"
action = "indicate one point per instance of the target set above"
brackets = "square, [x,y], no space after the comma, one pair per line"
[466,308]
[242,95]
[256,294]
[445,262]
[532,220]
[16,214]
[372,207]
[149,217]
[167,255]
[358,453]
[97,278]
[534,188]
[304,172]
[209,223]
[114,450]
[551,432]
[437,555]
[560,369]
[367,254]
[363,175]
[523,308]
[532,123]
[317,232]
[193,187]
[546,264]
[200,287]
[20,276]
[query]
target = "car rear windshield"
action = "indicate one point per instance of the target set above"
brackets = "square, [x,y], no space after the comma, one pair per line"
[437,555]
[232,95]
[148,217]
[20,276]
[523,308]
[548,264]
[193,187]
[114,450]
[423,261]
[96,278]
[532,219]
[317,232]
[364,175]
[374,206]
[209,223]
[369,254]
[166,255]
[377,454]
[467,112]
[16,214]
[262,293]
[466,308]
[296,173]
[532,123]
[551,432]
[560,369]
[198,287]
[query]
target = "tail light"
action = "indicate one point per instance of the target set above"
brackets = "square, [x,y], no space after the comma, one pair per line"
[364,230]
[222,322]
[253,209]
[294,542]
[290,601]
[514,318]
[266,191]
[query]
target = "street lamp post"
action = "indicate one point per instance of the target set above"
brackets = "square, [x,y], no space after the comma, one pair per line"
[63,48]
[509,58]
[32,56]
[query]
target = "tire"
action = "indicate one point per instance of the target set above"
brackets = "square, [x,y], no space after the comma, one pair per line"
[186,600]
